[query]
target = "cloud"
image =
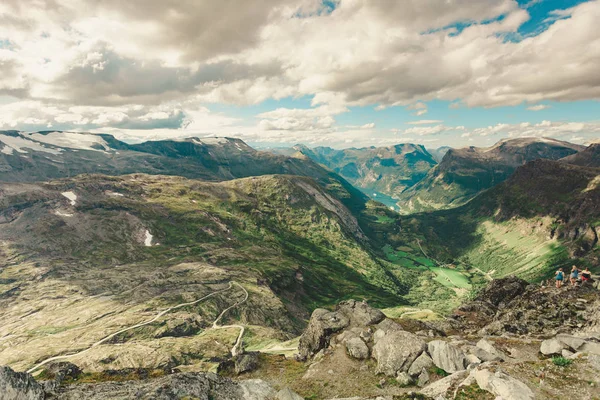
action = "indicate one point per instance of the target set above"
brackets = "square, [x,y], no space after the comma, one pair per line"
[174,56]
[538,107]
[425,122]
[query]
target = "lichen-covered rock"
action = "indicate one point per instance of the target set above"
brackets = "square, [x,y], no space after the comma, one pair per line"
[396,351]
[288,394]
[440,388]
[357,348]
[321,326]
[423,361]
[446,356]
[502,385]
[246,362]
[19,386]
[403,379]
[360,313]
[551,347]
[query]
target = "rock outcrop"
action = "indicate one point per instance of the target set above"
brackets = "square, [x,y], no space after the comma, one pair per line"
[19,386]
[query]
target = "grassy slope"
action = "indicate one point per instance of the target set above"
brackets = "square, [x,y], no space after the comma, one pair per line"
[538,220]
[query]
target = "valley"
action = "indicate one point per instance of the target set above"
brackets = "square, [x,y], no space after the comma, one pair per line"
[214,251]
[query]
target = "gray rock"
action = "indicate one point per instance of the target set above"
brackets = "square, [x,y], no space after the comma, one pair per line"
[246,362]
[483,355]
[396,351]
[472,359]
[384,327]
[552,347]
[441,387]
[573,342]
[423,361]
[566,353]
[357,348]
[321,326]
[591,348]
[202,386]
[403,379]
[256,389]
[446,356]
[502,385]
[19,386]
[288,394]
[423,378]
[486,345]
[360,313]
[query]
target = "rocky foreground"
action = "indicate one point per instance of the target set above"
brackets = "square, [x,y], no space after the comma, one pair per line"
[515,341]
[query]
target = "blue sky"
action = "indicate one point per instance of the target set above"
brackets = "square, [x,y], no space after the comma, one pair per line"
[338,73]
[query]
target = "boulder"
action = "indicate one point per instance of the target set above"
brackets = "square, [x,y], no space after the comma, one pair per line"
[384,327]
[19,386]
[472,359]
[396,351]
[439,389]
[359,313]
[246,362]
[423,378]
[446,356]
[403,379]
[423,361]
[551,347]
[488,346]
[256,389]
[321,326]
[573,342]
[357,348]
[502,385]
[288,394]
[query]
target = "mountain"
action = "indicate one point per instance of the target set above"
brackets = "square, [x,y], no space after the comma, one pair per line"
[464,173]
[381,172]
[29,157]
[545,216]
[439,153]
[590,157]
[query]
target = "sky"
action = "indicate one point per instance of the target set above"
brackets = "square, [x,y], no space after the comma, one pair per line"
[339,73]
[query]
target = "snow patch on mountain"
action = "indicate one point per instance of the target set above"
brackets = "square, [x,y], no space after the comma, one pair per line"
[71,196]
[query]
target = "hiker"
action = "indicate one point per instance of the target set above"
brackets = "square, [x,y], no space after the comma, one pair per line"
[574,275]
[560,276]
[586,275]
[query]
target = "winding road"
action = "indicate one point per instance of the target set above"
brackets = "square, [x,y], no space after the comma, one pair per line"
[215,325]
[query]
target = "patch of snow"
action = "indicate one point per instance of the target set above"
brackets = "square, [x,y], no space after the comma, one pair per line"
[62,214]
[7,150]
[148,239]
[374,194]
[210,140]
[19,144]
[71,196]
[114,194]
[71,140]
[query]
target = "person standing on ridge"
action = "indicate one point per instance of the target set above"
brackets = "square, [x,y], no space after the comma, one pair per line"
[574,275]
[586,275]
[560,276]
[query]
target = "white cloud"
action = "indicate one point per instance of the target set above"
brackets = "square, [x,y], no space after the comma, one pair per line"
[425,122]
[169,57]
[538,107]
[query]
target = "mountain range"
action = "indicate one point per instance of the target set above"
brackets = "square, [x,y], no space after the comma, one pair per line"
[97,234]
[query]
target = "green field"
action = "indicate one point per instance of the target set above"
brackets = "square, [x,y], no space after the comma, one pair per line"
[451,278]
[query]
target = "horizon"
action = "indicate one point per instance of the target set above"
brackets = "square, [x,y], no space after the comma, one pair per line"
[460,74]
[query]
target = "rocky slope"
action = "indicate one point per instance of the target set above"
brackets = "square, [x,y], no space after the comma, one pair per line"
[84,257]
[355,351]
[381,172]
[590,157]
[464,173]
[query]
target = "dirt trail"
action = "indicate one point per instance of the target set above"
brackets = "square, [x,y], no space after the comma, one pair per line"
[237,347]
[160,314]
